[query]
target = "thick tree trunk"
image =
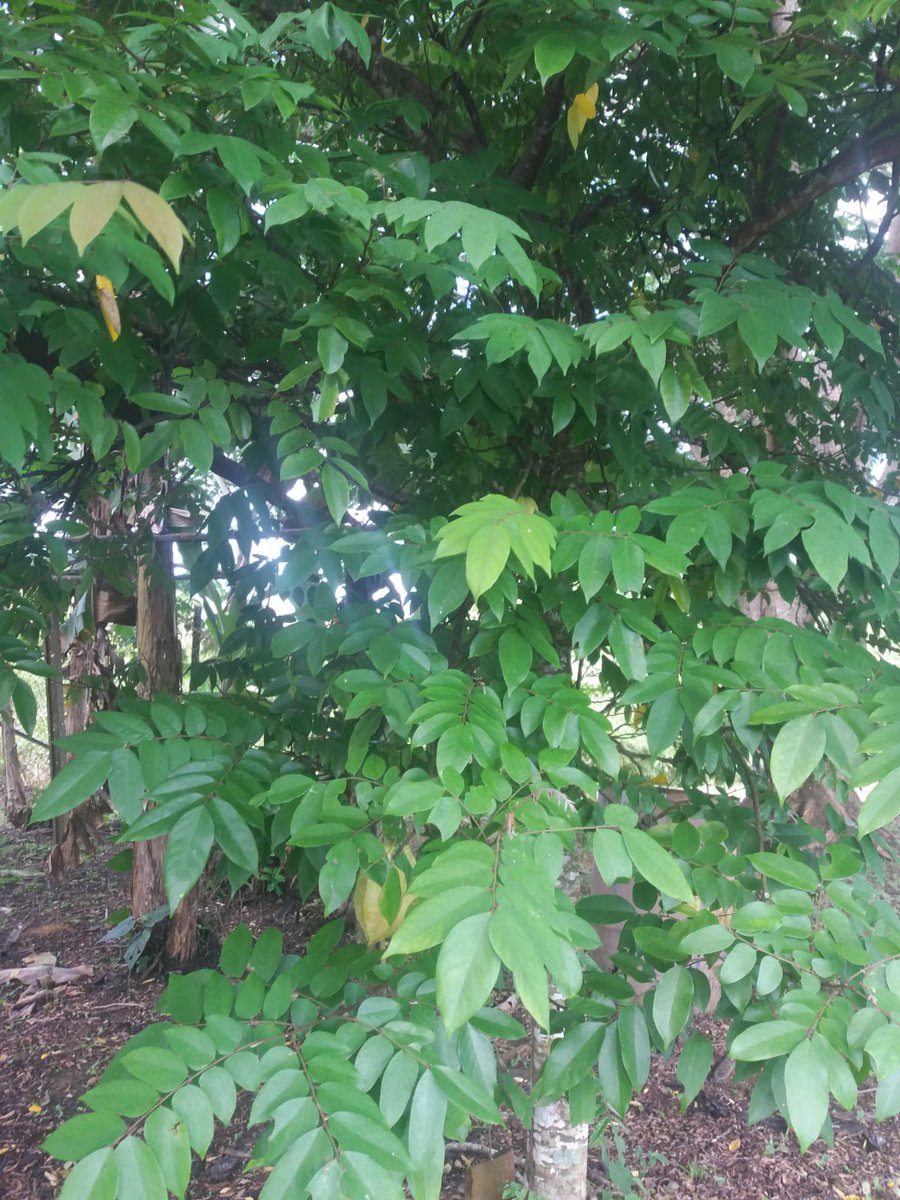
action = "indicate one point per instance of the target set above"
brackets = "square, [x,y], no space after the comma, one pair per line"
[159,653]
[15,800]
[558,1150]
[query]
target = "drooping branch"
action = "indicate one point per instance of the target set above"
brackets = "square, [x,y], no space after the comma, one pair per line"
[880,145]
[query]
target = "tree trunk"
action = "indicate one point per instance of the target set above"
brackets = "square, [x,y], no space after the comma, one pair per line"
[558,1150]
[15,800]
[76,832]
[159,653]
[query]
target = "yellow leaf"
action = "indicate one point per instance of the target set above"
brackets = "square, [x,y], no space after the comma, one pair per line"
[106,298]
[367,905]
[34,1108]
[586,102]
[94,206]
[735,1145]
[582,110]
[159,219]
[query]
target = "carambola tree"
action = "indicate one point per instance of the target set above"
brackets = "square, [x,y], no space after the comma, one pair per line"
[554,348]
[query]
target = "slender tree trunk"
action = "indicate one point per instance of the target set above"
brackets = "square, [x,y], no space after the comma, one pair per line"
[56,727]
[77,831]
[558,1150]
[159,653]
[15,801]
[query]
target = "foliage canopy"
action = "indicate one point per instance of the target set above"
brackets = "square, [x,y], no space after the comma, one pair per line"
[547,342]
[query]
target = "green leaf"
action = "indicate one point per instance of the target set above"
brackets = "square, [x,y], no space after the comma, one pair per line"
[331,347]
[594,564]
[467,1094]
[486,556]
[354,1131]
[466,972]
[552,54]
[235,953]
[634,1045]
[338,875]
[193,1107]
[397,1084]
[82,1135]
[515,946]
[769,1039]
[796,753]
[806,1088]
[126,784]
[112,115]
[826,542]
[734,61]
[515,657]
[693,1067]
[655,865]
[628,565]
[446,593]
[197,445]
[887,1098]
[759,330]
[599,745]
[675,389]
[292,1172]
[613,861]
[75,783]
[336,487]
[233,834]
[218,1087]
[426,1140]
[785,870]
[882,804]
[672,1001]
[884,543]
[155,1065]
[94,1178]
[187,853]
[571,1058]
[137,1163]
[167,1137]
[739,963]
[429,922]
[664,722]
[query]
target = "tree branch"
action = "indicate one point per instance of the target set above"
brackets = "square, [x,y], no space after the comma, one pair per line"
[530,161]
[880,145]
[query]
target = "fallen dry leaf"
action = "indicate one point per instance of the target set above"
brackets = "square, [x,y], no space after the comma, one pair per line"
[485,1180]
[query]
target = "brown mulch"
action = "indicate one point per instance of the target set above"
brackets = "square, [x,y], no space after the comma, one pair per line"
[52,1054]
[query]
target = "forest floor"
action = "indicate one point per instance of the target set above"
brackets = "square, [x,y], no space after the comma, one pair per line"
[51,1054]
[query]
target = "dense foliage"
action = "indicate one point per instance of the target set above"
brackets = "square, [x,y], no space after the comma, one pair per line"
[550,344]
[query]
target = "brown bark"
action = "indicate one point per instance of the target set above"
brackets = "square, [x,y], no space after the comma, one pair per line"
[15,800]
[76,832]
[159,653]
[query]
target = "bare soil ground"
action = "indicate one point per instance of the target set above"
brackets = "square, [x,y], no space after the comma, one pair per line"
[49,1055]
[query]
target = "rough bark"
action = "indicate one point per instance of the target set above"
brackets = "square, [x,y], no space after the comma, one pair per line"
[76,832]
[159,653]
[16,805]
[558,1150]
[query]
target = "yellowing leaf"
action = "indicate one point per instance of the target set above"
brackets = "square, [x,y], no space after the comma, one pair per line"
[35,1108]
[582,110]
[367,905]
[158,218]
[93,208]
[106,298]
[735,1145]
